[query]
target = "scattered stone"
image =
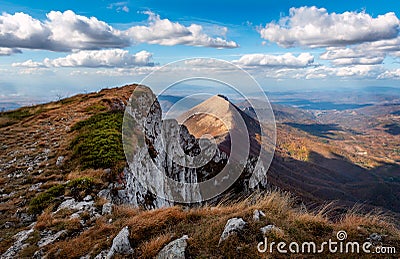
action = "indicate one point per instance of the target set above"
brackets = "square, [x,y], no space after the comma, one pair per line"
[88,198]
[233,225]
[74,205]
[60,160]
[258,214]
[38,254]
[269,228]
[48,239]
[375,238]
[105,194]
[79,207]
[24,217]
[102,255]
[35,187]
[12,251]
[121,244]
[174,250]
[107,208]
[107,170]
[9,224]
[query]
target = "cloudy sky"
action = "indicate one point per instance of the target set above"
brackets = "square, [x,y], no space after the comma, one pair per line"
[50,49]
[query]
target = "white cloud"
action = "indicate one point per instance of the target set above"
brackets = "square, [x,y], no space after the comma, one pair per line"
[315,27]
[358,61]
[67,31]
[9,51]
[164,32]
[60,32]
[352,56]
[95,58]
[355,71]
[389,47]
[28,64]
[119,6]
[390,74]
[285,60]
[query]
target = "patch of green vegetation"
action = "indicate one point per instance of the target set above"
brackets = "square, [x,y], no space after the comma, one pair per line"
[18,114]
[44,199]
[99,142]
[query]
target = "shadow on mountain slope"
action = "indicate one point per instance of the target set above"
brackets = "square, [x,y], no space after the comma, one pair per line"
[335,179]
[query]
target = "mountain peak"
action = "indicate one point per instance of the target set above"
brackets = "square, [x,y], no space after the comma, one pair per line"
[218,117]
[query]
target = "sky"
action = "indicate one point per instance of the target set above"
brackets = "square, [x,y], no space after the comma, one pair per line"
[51,49]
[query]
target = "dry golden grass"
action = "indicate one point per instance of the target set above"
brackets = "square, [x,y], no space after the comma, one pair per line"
[151,230]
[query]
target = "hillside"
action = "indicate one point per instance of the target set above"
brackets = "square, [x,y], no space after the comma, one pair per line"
[61,162]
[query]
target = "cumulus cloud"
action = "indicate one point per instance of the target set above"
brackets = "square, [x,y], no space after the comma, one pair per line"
[28,64]
[390,74]
[285,60]
[9,51]
[60,32]
[164,32]
[67,31]
[352,56]
[112,58]
[315,27]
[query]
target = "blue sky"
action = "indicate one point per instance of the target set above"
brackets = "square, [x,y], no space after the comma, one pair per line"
[50,49]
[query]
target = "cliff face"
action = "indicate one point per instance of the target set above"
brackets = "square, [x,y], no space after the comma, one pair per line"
[160,151]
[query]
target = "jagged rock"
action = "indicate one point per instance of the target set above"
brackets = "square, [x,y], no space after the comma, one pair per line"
[269,228]
[233,225]
[107,208]
[166,148]
[174,250]
[60,160]
[258,214]
[12,252]
[49,238]
[121,244]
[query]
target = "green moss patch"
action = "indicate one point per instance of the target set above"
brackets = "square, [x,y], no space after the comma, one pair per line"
[99,142]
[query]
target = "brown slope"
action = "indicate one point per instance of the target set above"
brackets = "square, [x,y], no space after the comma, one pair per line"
[220,118]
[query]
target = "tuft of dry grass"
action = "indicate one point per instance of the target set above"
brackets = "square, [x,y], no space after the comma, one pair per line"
[149,249]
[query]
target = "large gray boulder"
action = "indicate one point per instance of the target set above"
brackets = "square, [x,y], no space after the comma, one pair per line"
[233,226]
[121,244]
[174,250]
